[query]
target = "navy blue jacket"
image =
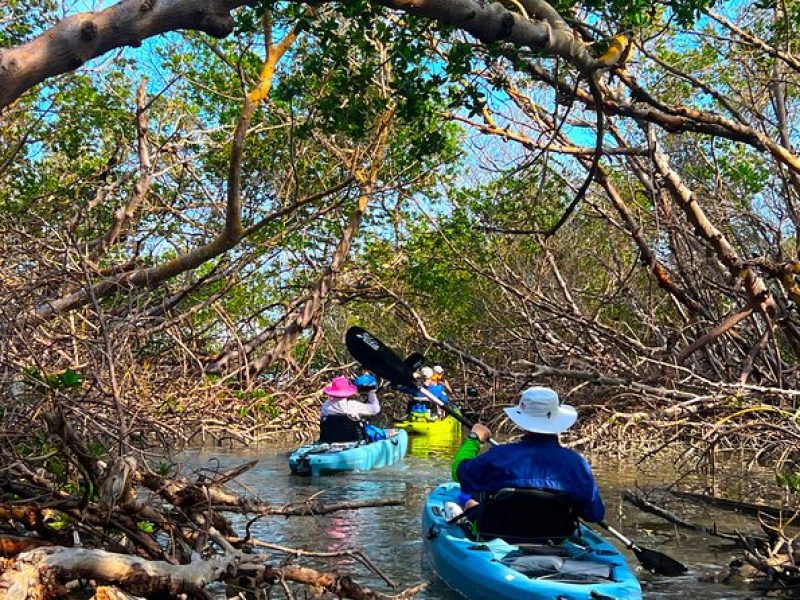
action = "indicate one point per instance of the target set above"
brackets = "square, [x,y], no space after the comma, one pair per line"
[537,461]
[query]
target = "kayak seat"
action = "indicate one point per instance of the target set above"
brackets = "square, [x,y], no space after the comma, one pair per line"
[340,428]
[525,515]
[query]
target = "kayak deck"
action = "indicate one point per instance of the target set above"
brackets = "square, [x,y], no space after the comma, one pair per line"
[585,567]
[319,458]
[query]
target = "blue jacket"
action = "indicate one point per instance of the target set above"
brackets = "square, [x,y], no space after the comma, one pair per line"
[537,461]
[438,390]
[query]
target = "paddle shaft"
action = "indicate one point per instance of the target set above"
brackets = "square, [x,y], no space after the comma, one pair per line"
[628,543]
[450,411]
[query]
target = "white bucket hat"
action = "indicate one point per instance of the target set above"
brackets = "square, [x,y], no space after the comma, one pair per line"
[540,412]
[427,372]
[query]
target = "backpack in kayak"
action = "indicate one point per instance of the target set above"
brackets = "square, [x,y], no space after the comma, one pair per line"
[525,515]
[373,433]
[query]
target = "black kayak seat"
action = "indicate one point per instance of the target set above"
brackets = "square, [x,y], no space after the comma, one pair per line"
[525,515]
[334,429]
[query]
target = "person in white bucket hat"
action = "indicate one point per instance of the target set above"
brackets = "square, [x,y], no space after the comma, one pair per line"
[537,461]
[539,411]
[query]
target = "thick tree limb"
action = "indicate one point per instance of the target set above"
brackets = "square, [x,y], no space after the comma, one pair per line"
[81,37]
[40,571]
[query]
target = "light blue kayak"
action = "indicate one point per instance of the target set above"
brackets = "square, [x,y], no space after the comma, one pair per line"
[318,459]
[585,567]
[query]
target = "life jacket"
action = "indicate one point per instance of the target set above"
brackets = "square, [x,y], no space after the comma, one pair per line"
[438,390]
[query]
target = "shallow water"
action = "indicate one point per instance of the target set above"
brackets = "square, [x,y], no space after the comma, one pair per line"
[391,537]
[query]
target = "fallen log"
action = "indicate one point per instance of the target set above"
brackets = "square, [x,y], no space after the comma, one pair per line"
[645,505]
[40,573]
[741,507]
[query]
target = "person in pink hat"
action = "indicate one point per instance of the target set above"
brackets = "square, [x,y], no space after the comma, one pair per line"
[341,415]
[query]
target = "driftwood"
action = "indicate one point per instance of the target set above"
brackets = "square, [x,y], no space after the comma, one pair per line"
[737,537]
[107,592]
[740,507]
[645,505]
[771,561]
[41,573]
[143,532]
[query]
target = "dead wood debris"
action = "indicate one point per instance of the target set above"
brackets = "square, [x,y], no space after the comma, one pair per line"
[770,561]
[131,531]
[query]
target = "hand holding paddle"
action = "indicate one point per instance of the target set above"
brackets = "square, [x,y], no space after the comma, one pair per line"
[381,360]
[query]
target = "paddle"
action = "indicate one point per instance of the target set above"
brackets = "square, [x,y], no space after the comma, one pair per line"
[381,360]
[657,562]
[414,361]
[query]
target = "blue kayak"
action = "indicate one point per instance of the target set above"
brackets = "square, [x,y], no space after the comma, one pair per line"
[318,459]
[585,567]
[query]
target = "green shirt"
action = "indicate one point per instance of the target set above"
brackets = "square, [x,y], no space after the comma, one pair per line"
[469,449]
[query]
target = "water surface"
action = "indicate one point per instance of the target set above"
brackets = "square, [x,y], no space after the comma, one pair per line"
[391,536]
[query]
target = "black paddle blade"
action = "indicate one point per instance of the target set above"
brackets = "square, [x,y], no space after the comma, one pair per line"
[414,361]
[377,357]
[658,563]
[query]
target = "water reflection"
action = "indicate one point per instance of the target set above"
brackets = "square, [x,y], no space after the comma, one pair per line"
[391,536]
[434,446]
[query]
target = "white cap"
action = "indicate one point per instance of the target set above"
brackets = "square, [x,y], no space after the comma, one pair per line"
[438,369]
[540,412]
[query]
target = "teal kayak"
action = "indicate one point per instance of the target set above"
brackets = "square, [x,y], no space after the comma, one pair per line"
[319,459]
[585,567]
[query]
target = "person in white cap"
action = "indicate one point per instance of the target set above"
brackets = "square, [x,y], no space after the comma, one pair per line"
[429,382]
[427,376]
[438,379]
[537,461]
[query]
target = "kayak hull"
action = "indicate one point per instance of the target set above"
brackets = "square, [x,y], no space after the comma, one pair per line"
[474,569]
[421,425]
[320,459]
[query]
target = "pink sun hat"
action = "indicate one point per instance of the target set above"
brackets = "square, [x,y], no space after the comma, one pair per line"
[340,387]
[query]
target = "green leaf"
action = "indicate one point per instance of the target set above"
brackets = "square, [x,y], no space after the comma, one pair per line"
[145,526]
[69,379]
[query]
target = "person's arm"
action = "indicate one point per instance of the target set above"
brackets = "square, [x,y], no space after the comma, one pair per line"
[326,408]
[595,511]
[374,407]
[361,409]
[469,450]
